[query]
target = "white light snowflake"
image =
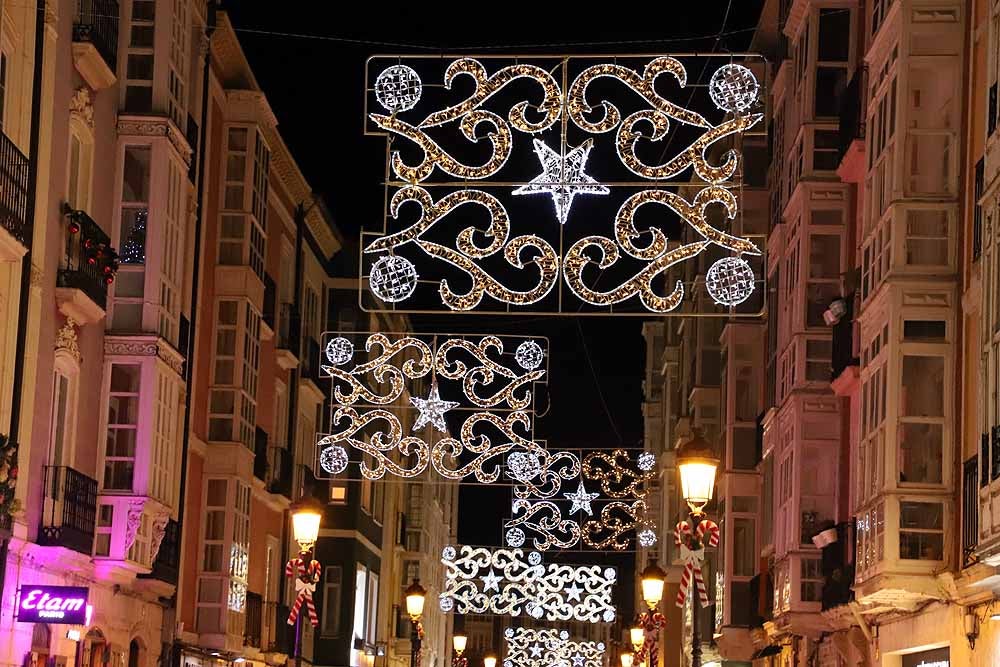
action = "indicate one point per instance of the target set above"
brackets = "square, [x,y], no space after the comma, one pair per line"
[646,461]
[398,88]
[647,538]
[339,351]
[446,604]
[515,537]
[333,459]
[733,88]
[393,278]
[448,553]
[730,281]
[529,355]
[523,466]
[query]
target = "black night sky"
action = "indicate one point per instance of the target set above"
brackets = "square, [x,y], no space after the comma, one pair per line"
[309,59]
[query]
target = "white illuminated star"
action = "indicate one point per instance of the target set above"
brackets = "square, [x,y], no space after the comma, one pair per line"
[581,499]
[536,651]
[432,410]
[573,592]
[491,582]
[577,660]
[563,178]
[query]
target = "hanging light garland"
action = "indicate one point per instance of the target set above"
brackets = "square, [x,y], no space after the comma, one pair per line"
[550,647]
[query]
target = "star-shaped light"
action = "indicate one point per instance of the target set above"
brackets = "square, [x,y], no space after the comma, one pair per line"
[432,410]
[581,499]
[573,592]
[577,660]
[491,582]
[536,650]
[563,178]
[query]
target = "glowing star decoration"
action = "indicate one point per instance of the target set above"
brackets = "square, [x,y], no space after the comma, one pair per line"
[393,278]
[581,500]
[730,281]
[573,592]
[733,88]
[535,650]
[432,410]
[529,355]
[339,351]
[563,178]
[646,461]
[491,582]
[332,457]
[398,88]
[646,538]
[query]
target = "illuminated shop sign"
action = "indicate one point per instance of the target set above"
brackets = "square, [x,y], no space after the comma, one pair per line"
[53,604]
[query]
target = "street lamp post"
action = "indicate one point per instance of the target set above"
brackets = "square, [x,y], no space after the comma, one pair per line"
[306,516]
[490,661]
[459,642]
[645,636]
[697,464]
[415,595]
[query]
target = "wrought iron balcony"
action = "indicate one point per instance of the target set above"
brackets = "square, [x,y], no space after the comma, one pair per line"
[842,344]
[852,112]
[254,620]
[14,190]
[838,573]
[69,510]
[90,263]
[96,23]
[166,566]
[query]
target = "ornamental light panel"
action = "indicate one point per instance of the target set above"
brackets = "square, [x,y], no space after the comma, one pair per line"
[550,647]
[512,582]
[460,404]
[569,184]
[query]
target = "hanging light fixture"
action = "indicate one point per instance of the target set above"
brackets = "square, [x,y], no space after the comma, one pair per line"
[697,464]
[415,595]
[653,579]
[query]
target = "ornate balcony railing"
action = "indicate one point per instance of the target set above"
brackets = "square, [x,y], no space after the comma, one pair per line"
[838,572]
[96,22]
[13,190]
[90,264]
[69,509]
[254,620]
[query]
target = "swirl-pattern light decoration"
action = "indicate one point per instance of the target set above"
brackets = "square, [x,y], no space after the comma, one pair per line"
[544,520]
[491,414]
[550,647]
[520,583]
[629,105]
[617,523]
[617,474]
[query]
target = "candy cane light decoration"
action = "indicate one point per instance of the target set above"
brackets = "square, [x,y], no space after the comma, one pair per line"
[692,545]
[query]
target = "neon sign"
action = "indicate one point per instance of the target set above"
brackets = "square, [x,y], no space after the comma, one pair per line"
[53,604]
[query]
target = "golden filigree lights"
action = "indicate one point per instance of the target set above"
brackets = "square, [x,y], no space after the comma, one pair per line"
[638,103]
[375,393]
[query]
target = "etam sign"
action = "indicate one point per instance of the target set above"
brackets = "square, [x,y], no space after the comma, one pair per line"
[53,604]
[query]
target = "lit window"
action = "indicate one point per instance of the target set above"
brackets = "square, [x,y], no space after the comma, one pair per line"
[123,416]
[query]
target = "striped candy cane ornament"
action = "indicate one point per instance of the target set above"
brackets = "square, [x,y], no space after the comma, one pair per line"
[707,534]
[306,578]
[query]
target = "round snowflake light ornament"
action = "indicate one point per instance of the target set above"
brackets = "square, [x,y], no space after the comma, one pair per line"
[393,278]
[339,351]
[398,88]
[332,459]
[535,558]
[515,537]
[733,88]
[730,281]
[508,633]
[609,615]
[535,610]
[647,538]
[563,635]
[446,604]
[523,466]
[646,461]
[448,553]
[529,355]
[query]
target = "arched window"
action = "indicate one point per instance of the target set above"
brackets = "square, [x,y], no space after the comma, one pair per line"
[135,654]
[64,398]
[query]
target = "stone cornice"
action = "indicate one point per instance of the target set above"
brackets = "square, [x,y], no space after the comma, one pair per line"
[251,104]
[155,126]
[145,345]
